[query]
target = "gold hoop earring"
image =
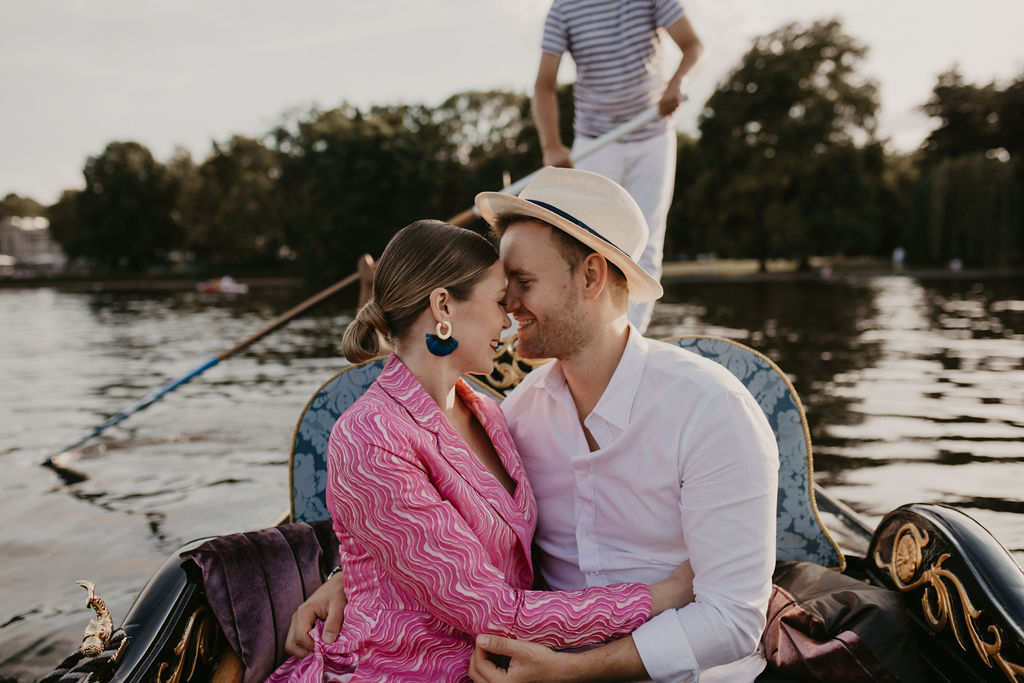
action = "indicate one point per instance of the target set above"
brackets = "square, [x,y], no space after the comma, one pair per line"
[442,343]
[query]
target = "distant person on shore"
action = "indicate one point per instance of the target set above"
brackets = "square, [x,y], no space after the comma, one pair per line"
[616,47]
[898,256]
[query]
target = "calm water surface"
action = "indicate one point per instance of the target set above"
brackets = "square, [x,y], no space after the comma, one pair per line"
[914,392]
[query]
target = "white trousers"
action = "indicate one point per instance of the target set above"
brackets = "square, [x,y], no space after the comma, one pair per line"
[647,169]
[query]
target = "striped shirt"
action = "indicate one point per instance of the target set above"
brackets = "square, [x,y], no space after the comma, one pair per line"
[617,51]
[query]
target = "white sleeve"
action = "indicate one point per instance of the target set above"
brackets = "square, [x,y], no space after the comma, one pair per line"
[729,490]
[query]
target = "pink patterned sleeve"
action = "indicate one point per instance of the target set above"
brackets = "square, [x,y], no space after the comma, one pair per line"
[392,510]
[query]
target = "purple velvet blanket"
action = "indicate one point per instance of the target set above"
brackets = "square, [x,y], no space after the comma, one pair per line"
[825,626]
[255,581]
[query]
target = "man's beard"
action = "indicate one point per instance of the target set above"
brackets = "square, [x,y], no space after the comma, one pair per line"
[560,335]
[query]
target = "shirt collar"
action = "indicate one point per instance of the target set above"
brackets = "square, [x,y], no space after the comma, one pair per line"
[616,403]
[553,383]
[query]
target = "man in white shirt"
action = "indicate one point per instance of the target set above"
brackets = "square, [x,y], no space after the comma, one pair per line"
[642,455]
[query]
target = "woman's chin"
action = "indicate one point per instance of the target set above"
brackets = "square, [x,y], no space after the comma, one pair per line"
[482,367]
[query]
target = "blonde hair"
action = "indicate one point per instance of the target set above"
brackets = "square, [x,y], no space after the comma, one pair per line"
[421,257]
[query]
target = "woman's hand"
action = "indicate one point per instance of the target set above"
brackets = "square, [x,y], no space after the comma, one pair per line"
[673,592]
[327,603]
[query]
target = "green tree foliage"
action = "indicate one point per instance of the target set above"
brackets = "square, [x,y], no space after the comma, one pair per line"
[125,216]
[968,208]
[349,180]
[230,204]
[481,137]
[786,165]
[477,126]
[1011,122]
[63,216]
[966,204]
[968,116]
[321,188]
[16,205]
[779,138]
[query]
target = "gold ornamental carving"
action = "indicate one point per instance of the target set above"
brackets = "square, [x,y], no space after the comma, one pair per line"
[197,646]
[101,627]
[509,367]
[940,587]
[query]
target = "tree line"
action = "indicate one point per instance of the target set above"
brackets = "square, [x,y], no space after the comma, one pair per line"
[788,164]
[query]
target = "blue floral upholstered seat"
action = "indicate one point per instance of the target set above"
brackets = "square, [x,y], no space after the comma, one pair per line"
[800,533]
[801,536]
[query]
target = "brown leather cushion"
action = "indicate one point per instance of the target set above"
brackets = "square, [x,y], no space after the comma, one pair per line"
[826,626]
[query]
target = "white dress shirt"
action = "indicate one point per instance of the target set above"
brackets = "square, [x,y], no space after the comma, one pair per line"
[686,469]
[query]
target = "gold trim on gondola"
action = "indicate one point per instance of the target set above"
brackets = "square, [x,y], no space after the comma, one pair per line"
[198,645]
[101,627]
[937,603]
[509,367]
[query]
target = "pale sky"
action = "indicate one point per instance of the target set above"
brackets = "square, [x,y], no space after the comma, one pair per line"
[77,74]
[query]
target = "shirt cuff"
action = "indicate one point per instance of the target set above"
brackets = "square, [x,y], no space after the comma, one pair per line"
[665,650]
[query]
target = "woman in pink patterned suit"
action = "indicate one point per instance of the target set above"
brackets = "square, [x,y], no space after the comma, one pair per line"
[432,508]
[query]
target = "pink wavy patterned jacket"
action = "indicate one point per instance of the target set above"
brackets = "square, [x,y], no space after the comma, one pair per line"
[435,551]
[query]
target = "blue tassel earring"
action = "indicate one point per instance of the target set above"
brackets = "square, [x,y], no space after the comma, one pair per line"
[442,343]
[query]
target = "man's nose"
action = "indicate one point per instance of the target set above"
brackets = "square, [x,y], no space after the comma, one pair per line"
[512,303]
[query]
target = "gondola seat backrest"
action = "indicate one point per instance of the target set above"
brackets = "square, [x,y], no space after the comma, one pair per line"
[800,533]
[308,470]
[801,536]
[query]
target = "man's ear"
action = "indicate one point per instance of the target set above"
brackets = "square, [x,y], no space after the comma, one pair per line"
[439,300]
[594,270]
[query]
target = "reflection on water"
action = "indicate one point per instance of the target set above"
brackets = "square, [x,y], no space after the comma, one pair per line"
[914,392]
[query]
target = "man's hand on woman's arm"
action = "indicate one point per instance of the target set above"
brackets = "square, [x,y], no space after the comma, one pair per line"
[326,603]
[616,661]
[674,591]
[529,662]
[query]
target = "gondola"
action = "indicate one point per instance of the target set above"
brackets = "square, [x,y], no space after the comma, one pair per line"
[219,608]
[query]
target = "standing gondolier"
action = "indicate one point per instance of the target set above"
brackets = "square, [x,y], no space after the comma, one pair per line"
[616,48]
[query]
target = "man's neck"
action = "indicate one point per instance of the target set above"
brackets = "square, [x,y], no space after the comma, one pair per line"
[589,372]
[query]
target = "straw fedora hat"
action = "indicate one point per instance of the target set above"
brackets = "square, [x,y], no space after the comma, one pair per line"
[595,210]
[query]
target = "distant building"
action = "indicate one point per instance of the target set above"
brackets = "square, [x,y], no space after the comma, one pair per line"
[25,245]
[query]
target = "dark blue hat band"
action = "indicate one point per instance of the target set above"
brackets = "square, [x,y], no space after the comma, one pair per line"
[575,221]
